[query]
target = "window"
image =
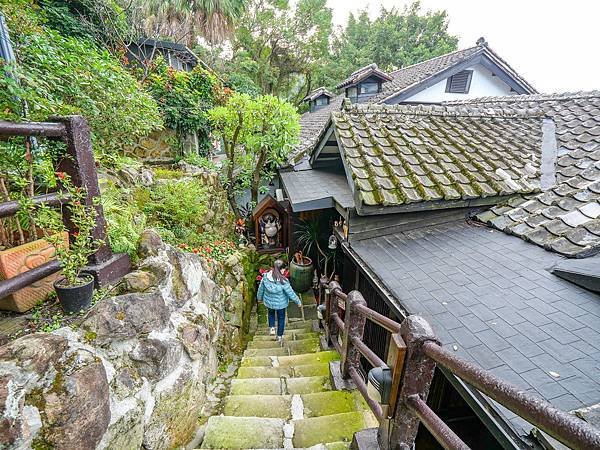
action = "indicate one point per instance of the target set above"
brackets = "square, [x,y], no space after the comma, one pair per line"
[459,83]
[369,88]
[352,92]
[322,101]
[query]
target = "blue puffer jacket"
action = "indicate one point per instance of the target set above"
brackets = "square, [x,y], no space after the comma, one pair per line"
[275,295]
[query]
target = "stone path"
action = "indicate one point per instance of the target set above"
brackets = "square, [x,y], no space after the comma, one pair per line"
[282,396]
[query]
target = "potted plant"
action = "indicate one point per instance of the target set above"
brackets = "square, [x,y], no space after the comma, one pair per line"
[75,288]
[24,172]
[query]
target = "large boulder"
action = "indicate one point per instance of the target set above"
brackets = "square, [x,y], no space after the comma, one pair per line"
[51,395]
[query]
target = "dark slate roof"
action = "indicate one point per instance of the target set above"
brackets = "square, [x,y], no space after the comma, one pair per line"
[363,73]
[565,219]
[317,93]
[491,297]
[401,154]
[317,189]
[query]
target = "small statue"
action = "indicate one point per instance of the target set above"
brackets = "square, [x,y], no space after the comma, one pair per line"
[269,230]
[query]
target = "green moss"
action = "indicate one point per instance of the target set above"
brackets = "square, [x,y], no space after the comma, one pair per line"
[274,406]
[328,403]
[120,315]
[334,428]
[307,385]
[90,336]
[243,432]
[256,386]
[312,358]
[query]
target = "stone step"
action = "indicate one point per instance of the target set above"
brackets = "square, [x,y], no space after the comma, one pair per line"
[292,325]
[291,361]
[279,386]
[333,402]
[228,432]
[271,406]
[332,428]
[309,370]
[294,335]
[279,406]
[272,343]
[286,348]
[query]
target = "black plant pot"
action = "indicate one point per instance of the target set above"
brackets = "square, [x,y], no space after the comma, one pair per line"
[75,298]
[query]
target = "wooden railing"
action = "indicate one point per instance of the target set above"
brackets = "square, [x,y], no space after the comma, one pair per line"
[79,164]
[412,357]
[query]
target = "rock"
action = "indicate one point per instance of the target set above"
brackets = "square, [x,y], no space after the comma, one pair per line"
[195,340]
[156,358]
[51,396]
[146,177]
[189,169]
[139,281]
[127,316]
[150,244]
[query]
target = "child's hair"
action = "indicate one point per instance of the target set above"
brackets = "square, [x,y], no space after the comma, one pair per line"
[277,273]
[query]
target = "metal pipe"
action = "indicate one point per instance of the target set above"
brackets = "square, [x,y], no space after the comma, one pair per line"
[568,429]
[339,322]
[362,388]
[436,426]
[10,208]
[387,323]
[47,129]
[373,359]
[24,279]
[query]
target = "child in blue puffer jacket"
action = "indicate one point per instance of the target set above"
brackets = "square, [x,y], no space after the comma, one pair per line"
[275,291]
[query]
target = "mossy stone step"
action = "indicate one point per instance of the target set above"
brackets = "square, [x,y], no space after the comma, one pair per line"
[229,432]
[264,372]
[273,406]
[307,385]
[256,386]
[279,351]
[309,370]
[333,402]
[293,325]
[271,343]
[333,428]
[292,336]
[303,346]
[311,358]
[286,332]
[291,361]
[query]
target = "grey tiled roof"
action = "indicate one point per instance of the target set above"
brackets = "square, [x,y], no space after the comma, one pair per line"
[317,189]
[362,73]
[401,154]
[312,127]
[565,219]
[492,296]
[317,93]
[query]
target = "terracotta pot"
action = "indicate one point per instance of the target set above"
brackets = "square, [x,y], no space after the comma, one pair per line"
[75,298]
[22,258]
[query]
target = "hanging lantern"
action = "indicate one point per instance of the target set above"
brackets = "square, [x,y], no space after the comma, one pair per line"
[332,242]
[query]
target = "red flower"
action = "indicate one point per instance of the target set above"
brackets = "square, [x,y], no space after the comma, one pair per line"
[258,277]
[195,250]
[61,175]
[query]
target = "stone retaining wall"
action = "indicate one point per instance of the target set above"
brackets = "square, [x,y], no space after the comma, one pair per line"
[134,374]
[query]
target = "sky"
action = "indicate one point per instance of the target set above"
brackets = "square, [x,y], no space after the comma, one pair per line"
[554,45]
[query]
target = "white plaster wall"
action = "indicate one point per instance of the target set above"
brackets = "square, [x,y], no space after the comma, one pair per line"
[482,84]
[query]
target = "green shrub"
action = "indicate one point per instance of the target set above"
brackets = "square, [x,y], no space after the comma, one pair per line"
[64,75]
[184,98]
[125,221]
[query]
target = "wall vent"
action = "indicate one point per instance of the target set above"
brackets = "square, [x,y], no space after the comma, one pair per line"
[460,82]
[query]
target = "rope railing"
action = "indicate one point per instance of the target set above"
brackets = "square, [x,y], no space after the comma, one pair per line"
[412,356]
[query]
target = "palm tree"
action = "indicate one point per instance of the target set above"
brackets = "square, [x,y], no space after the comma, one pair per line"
[184,20]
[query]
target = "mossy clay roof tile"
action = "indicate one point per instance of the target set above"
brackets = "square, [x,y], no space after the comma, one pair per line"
[571,207]
[414,152]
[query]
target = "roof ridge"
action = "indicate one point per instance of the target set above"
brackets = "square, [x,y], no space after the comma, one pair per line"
[564,96]
[466,110]
[435,57]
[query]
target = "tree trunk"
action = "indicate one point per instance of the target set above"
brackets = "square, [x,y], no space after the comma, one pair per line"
[255,185]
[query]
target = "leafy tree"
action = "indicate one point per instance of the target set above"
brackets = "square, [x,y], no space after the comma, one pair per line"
[184,20]
[393,40]
[257,135]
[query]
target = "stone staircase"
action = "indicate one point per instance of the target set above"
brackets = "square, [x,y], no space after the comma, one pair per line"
[282,396]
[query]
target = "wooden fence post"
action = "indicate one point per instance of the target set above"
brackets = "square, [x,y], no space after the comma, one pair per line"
[416,379]
[80,165]
[334,308]
[354,326]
